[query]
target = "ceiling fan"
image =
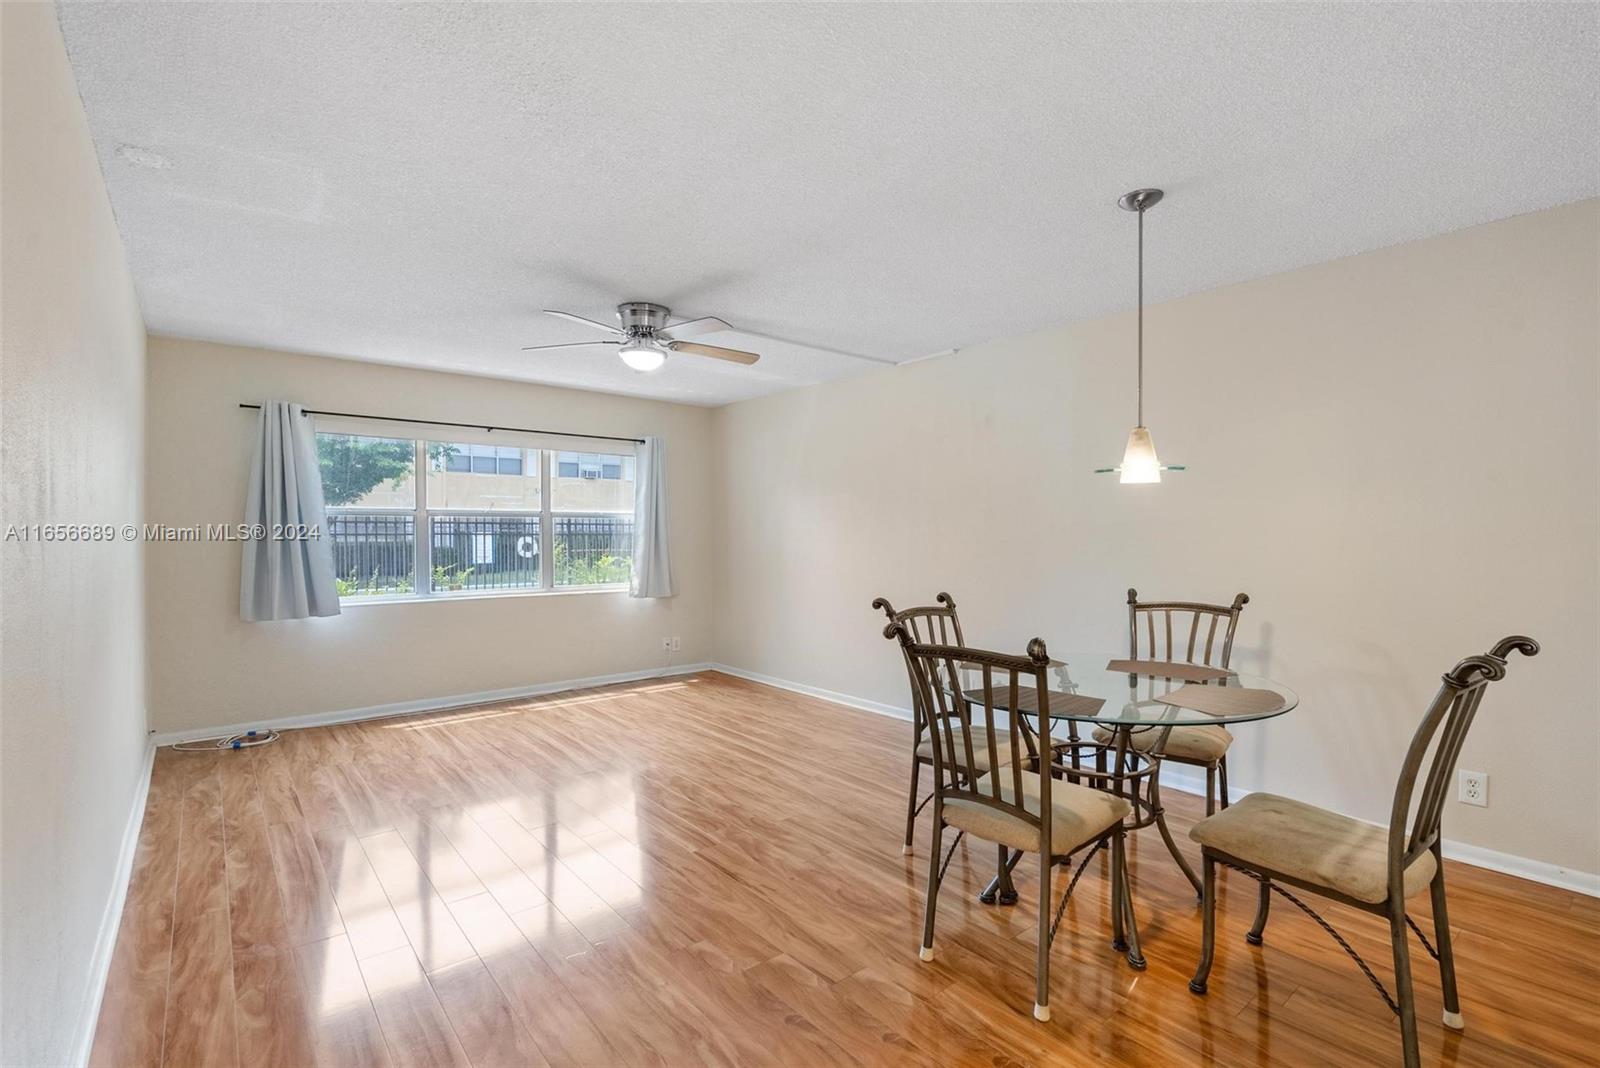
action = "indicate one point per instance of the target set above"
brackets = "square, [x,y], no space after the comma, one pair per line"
[645,339]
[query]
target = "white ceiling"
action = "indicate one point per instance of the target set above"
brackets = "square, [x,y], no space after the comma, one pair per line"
[412,183]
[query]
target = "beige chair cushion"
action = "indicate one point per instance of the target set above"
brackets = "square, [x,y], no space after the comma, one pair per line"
[1202,744]
[980,749]
[1077,814]
[1312,844]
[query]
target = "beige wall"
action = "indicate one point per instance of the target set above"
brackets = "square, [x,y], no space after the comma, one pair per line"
[207,668]
[72,718]
[1394,454]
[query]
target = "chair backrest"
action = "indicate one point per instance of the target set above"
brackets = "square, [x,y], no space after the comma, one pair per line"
[1449,718]
[934,624]
[962,740]
[1164,642]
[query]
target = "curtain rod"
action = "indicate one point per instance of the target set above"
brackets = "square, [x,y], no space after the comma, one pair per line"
[469,426]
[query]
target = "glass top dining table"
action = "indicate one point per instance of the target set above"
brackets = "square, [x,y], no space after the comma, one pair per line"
[1128,698]
[1115,692]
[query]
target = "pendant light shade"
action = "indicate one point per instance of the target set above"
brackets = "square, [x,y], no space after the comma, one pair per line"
[1139,462]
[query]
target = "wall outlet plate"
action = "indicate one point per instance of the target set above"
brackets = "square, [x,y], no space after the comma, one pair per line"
[677,644]
[666,645]
[1472,788]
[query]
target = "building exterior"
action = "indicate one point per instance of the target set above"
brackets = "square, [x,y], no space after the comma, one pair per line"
[505,478]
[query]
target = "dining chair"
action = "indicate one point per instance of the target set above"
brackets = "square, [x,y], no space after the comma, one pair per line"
[1280,841]
[1202,747]
[1008,803]
[935,624]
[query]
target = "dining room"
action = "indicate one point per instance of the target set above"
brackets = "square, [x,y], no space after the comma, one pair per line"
[803,534]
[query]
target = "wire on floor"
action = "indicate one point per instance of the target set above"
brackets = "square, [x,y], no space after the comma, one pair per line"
[247,740]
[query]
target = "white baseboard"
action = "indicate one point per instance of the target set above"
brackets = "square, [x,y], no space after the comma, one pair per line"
[430,704]
[1583,882]
[111,919]
[814,691]
[1193,781]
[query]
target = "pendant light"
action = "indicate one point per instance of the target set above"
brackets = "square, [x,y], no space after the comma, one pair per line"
[1139,462]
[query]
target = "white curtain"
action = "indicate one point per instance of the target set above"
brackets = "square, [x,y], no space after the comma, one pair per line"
[652,563]
[286,577]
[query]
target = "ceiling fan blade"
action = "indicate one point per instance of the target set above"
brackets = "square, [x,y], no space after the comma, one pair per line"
[708,324]
[715,352]
[580,319]
[569,345]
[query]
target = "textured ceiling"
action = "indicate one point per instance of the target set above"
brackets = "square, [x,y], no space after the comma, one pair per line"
[412,183]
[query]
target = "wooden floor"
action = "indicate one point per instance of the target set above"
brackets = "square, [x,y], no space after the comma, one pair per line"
[632,876]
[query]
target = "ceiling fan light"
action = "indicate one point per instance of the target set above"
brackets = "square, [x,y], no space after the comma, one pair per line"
[1139,463]
[642,356]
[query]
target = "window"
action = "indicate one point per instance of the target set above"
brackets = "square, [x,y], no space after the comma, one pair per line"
[592,465]
[482,519]
[370,487]
[591,512]
[466,477]
[488,460]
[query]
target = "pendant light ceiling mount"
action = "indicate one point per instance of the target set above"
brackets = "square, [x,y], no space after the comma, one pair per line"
[1139,462]
[1140,199]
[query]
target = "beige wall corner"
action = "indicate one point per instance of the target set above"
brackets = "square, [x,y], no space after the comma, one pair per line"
[72,676]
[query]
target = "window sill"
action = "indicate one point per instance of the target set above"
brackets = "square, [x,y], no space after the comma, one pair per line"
[481,595]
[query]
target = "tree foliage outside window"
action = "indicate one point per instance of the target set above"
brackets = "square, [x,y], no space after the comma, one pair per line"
[602,569]
[352,466]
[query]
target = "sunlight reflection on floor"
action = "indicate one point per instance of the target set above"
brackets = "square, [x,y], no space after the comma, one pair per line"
[552,866]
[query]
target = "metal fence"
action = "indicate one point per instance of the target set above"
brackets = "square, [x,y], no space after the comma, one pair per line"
[374,552]
[592,549]
[485,552]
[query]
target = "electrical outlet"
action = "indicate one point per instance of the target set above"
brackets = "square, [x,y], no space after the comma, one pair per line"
[1472,788]
[666,645]
[677,644]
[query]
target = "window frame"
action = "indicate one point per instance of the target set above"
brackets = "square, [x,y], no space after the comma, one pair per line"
[422,518]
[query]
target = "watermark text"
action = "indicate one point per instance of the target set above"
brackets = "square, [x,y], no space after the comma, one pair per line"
[160,532]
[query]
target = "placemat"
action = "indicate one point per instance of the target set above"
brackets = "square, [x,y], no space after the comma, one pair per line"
[1169,669]
[1223,700]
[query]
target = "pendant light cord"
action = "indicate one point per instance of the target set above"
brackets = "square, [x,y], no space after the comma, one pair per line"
[1139,421]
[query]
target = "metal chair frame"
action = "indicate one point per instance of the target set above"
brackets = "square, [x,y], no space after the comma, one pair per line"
[949,717]
[1446,721]
[1216,770]
[936,623]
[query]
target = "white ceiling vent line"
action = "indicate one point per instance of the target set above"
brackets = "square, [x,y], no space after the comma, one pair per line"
[412,184]
[821,348]
[929,356]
